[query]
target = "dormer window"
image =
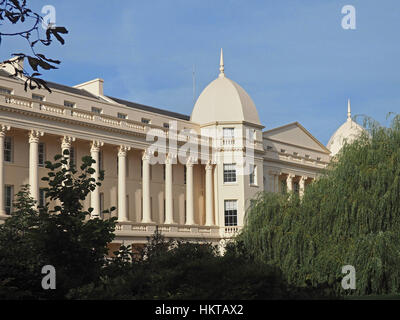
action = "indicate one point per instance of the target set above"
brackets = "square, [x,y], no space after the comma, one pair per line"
[295,154]
[121,115]
[283,150]
[37,97]
[166,125]
[69,104]
[97,110]
[145,121]
[307,156]
[5,90]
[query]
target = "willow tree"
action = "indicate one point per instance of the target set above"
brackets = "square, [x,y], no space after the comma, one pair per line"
[349,216]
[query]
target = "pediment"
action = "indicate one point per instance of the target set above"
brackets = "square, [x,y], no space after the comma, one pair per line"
[295,134]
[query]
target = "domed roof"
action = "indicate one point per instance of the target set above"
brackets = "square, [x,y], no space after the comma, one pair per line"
[224,100]
[348,131]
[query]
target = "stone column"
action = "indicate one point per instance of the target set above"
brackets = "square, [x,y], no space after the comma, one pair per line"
[66,145]
[34,163]
[189,193]
[95,194]
[3,130]
[123,214]
[302,185]
[169,214]
[209,193]
[146,188]
[289,182]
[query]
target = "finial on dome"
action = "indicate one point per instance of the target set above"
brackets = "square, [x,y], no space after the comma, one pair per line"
[221,65]
[348,110]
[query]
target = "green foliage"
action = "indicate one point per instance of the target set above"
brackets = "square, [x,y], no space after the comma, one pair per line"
[62,236]
[351,215]
[182,270]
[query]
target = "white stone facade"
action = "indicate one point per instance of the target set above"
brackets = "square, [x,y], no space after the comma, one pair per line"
[200,197]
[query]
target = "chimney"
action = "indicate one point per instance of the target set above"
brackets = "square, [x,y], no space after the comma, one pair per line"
[93,86]
[15,62]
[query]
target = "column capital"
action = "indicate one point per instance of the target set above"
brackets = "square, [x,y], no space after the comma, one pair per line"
[190,161]
[209,166]
[146,155]
[122,150]
[66,142]
[96,145]
[3,129]
[290,176]
[34,136]
[170,158]
[303,178]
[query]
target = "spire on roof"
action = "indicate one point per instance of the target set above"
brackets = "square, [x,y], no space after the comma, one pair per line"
[348,110]
[221,65]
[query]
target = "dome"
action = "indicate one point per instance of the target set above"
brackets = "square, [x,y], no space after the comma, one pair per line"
[224,100]
[348,131]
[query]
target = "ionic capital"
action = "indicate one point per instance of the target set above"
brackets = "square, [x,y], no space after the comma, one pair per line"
[4,129]
[122,150]
[170,158]
[96,145]
[34,136]
[209,166]
[66,142]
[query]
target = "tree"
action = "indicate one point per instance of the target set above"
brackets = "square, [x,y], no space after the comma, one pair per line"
[17,12]
[64,236]
[349,216]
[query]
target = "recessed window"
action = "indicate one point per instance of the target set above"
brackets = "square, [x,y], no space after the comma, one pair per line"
[307,156]
[230,212]
[5,90]
[9,198]
[252,174]
[121,115]
[72,158]
[69,104]
[230,172]
[37,97]
[101,165]
[269,148]
[283,150]
[8,151]
[229,133]
[318,159]
[166,125]
[97,110]
[145,121]
[42,197]
[42,154]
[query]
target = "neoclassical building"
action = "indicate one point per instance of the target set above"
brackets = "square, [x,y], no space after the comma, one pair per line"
[192,176]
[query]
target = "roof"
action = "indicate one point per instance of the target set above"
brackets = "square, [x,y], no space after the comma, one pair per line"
[224,100]
[151,109]
[348,131]
[82,92]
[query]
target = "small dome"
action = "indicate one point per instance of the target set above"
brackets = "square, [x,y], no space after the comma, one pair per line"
[347,132]
[224,100]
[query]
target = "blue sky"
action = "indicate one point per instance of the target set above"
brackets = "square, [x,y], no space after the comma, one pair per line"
[292,57]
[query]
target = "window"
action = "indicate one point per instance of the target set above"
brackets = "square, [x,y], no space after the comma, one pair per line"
[269,148]
[8,152]
[97,110]
[121,115]
[42,197]
[101,160]
[252,174]
[37,97]
[283,150]
[69,104]
[295,153]
[145,121]
[166,125]
[318,159]
[101,205]
[283,186]
[230,172]
[8,198]
[164,168]
[42,154]
[307,156]
[230,212]
[228,133]
[72,157]
[5,90]
[296,187]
